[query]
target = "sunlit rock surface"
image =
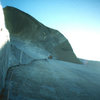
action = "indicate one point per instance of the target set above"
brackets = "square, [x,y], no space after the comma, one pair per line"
[53,80]
[4,49]
[42,64]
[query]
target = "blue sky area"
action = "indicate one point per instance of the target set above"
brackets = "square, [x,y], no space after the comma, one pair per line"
[78,20]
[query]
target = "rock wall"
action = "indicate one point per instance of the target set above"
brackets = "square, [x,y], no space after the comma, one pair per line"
[53,80]
[29,40]
[28,68]
[4,49]
[35,39]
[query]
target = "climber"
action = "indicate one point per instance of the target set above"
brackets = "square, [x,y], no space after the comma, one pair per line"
[50,57]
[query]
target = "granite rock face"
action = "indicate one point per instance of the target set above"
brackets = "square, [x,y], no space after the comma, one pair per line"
[38,63]
[53,80]
[34,39]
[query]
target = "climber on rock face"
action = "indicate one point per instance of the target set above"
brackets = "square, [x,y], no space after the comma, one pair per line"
[50,57]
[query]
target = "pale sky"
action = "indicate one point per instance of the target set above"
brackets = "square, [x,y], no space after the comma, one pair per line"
[78,20]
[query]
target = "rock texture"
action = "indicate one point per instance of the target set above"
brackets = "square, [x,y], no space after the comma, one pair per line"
[53,80]
[38,63]
[35,40]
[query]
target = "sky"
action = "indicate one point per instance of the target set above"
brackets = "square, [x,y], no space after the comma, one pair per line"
[77,20]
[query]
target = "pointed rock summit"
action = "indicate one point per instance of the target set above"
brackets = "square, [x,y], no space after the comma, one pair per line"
[38,63]
[33,40]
